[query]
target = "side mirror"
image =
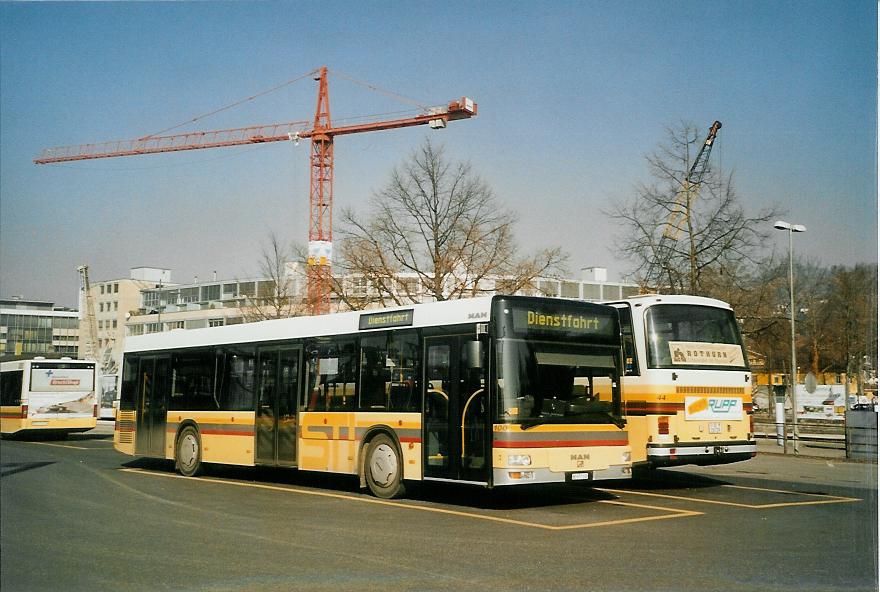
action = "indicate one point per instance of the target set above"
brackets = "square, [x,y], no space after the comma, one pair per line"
[474,354]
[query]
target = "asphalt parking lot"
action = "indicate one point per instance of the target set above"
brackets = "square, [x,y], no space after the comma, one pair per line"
[111,521]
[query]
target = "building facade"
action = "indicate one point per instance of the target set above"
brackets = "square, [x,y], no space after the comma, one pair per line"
[114,301]
[228,302]
[35,328]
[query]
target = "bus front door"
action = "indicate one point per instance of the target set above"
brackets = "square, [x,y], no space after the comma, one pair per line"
[456,443]
[278,370]
[151,406]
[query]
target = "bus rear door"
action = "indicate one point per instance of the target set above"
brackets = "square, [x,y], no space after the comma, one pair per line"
[152,408]
[278,371]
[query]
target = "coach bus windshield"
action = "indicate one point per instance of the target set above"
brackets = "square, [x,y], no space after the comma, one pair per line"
[693,336]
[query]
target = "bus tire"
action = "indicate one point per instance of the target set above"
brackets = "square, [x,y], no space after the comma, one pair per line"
[188,452]
[383,468]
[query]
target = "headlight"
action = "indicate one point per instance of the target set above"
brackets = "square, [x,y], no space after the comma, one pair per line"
[626,457]
[519,460]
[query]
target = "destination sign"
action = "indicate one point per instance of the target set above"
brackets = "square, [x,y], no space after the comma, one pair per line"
[564,321]
[386,320]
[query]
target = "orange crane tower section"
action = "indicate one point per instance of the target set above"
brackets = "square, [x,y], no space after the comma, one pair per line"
[321,134]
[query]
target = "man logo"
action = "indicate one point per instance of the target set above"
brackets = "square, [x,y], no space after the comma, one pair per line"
[473,316]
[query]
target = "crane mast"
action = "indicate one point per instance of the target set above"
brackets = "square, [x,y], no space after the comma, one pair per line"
[321,134]
[691,185]
[87,314]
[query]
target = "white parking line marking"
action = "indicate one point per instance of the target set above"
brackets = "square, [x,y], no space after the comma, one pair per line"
[668,512]
[826,499]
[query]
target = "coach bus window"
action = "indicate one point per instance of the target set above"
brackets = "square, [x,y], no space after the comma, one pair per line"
[630,361]
[192,381]
[332,372]
[235,379]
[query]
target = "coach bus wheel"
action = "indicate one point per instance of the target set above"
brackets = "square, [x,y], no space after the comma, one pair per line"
[188,456]
[383,469]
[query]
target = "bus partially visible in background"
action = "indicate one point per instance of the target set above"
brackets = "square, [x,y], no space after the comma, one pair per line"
[687,384]
[47,396]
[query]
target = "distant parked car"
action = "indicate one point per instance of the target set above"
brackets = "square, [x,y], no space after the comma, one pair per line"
[864,407]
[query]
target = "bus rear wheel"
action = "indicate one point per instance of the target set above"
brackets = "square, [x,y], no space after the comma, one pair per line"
[383,468]
[188,452]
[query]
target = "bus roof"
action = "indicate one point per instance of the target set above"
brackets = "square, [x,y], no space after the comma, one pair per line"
[450,312]
[646,299]
[19,363]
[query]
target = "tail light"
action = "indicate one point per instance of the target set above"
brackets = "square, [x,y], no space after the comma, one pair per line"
[752,423]
[663,425]
[95,410]
[24,410]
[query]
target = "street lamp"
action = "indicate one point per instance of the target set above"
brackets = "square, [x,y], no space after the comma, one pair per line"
[791,229]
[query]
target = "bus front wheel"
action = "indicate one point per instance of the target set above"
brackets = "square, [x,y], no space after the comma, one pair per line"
[188,457]
[383,468]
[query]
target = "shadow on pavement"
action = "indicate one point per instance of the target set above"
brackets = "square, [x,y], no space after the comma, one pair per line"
[455,494]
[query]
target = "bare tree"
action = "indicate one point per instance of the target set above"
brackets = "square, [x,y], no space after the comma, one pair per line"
[681,239]
[435,231]
[277,293]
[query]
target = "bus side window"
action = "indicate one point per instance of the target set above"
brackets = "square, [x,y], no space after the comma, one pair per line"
[129,386]
[331,374]
[374,383]
[10,387]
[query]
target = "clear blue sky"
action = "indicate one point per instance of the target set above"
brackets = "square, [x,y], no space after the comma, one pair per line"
[572,95]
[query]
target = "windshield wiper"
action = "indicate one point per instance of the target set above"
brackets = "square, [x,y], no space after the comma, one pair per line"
[534,422]
[530,423]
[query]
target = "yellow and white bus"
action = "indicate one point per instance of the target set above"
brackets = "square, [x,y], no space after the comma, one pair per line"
[47,396]
[687,385]
[490,391]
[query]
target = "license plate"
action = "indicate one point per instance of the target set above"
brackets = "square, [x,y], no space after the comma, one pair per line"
[581,476]
[715,427]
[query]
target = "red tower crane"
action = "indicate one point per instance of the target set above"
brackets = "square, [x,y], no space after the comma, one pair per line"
[321,134]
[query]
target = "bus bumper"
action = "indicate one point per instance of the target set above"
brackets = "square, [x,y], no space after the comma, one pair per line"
[701,453]
[528,475]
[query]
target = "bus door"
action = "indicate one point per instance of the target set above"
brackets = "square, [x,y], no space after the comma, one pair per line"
[152,406]
[278,371]
[456,411]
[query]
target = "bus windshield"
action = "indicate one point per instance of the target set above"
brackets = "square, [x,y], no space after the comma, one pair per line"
[693,336]
[544,382]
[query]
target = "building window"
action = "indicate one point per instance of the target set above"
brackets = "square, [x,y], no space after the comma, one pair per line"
[570,290]
[215,322]
[116,288]
[594,292]
[210,293]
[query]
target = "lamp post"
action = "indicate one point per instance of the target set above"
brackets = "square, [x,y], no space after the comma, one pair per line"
[791,229]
